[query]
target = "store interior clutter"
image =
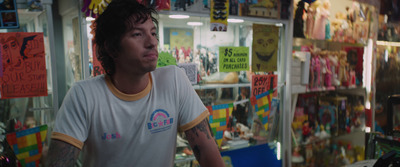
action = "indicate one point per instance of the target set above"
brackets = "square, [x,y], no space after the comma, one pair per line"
[328,80]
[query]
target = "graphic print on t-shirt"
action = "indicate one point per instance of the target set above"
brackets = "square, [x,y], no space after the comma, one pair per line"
[159,121]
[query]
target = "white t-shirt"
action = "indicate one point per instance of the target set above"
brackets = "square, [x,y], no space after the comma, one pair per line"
[117,129]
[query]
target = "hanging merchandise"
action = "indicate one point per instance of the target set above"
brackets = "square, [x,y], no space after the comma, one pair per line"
[28,145]
[198,6]
[24,65]
[35,5]
[190,70]
[259,8]
[94,7]
[219,119]
[262,105]
[265,48]
[233,59]
[219,15]
[9,14]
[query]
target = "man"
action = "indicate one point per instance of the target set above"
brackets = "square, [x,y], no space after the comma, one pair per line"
[131,115]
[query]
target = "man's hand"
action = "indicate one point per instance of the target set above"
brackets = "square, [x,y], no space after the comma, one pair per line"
[61,154]
[203,145]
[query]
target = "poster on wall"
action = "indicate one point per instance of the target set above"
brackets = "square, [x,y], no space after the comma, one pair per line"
[233,59]
[9,14]
[24,65]
[265,48]
[219,15]
[182,40]
[263,83]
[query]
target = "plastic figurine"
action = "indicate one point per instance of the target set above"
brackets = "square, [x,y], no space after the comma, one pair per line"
[311,15]
[297,157]
[317,70]
[312,64]
[327,5]
[334,64]
[309,153]
[324,70]
[306,130]
[328,71]
[343,76]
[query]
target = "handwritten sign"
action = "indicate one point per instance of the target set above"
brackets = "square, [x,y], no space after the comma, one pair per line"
[97,68]
[265,48]
[233,59]
[24,64]
[263,83]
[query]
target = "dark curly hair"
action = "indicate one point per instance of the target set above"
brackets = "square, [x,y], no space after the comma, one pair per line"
[113,23]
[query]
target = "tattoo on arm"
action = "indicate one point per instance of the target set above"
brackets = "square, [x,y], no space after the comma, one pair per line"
[202,127]
[61,154]
[194,133]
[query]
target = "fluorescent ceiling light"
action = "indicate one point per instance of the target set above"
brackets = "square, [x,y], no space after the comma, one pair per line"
[194,23]
[178,16]
[235,21]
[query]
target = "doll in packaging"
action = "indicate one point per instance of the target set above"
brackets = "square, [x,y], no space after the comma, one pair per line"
[320,23]
[311,16]
[343,65]
[334,65]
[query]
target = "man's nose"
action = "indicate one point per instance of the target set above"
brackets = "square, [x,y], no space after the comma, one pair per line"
[151,41]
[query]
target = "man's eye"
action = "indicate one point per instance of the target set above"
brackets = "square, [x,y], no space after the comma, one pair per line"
[136,34]
[155,34]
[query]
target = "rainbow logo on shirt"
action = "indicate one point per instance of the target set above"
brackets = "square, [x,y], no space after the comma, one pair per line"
[159,121]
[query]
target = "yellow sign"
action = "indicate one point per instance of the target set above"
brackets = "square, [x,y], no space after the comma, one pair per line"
[233,59]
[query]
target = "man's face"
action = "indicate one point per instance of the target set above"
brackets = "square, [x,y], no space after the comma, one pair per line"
[139,49]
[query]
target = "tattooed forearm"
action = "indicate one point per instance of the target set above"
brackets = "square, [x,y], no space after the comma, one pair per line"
[61,154]
[202,127]
[203,145]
